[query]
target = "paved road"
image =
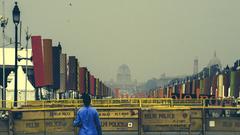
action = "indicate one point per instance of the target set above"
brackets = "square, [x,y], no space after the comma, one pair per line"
[174,133]
[134,133]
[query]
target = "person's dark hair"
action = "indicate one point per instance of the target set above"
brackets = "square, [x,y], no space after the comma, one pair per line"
[86,99]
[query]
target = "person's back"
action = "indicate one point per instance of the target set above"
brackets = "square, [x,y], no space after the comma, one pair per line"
[87,119]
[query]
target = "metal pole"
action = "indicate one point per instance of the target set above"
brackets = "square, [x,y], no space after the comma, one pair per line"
[26,77]
[203,121]
[3,24]
[3,89]
[16,66]
[140,125]
[190,125]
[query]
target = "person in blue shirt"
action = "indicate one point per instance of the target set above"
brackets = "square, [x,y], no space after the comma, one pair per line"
[87,119]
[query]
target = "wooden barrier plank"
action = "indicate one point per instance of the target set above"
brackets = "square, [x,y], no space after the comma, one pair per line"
[196,113]
[196,124]
[59,125]
[59,114]
[29,126]
[31,115]
[118,113]
[223,124]
[119,124]
[56,114]
[164,128]
[166,117]
[43,126]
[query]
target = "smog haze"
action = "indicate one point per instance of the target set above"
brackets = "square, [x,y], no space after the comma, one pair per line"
[150,36]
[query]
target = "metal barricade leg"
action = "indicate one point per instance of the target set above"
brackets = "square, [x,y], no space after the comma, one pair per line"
[189,126]
[140,126]
[203,122]
[10,120]
[139,122]
[189,129]
[75,128]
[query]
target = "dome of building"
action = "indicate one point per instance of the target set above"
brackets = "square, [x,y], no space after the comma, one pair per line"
[215,61]
[124,74]
[123,69]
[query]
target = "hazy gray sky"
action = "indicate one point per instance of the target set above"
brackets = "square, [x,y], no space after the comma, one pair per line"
[151,36]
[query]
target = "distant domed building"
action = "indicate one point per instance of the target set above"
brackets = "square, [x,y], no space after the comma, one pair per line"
[123,74]
[215,61]
[123,80]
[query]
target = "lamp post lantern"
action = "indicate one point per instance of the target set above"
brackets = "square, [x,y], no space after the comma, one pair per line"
[16,20]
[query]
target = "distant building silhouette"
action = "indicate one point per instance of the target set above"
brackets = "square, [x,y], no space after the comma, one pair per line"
[123,80]
[195,66]
[215,61]
[124,74]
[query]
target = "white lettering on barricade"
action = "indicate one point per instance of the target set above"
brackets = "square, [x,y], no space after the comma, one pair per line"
[118,113]
[166,117]
[119,124]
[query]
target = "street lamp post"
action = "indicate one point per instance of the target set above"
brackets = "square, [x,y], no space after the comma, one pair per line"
[16,20]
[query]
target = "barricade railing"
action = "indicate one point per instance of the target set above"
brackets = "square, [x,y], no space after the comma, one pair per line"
[156,102]
[121,102]
[118,119]
[222,102]
[191,102]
